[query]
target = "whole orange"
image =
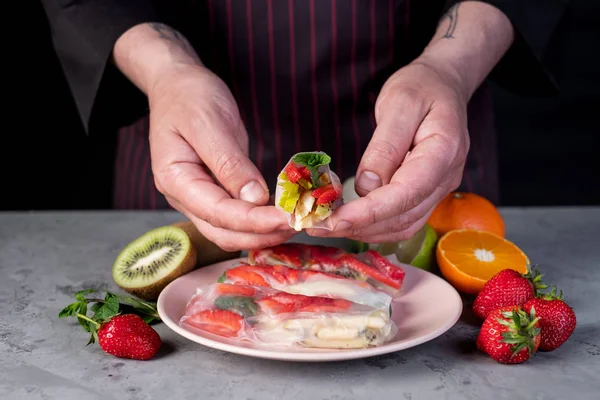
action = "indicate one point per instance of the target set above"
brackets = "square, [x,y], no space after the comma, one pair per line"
[463,210]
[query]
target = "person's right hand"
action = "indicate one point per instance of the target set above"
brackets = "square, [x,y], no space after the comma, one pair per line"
[195,129]
[198,143]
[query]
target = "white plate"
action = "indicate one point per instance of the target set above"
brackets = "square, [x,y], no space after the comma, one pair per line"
[426,307]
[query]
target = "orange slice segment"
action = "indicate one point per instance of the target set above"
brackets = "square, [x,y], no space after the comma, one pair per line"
[468,258]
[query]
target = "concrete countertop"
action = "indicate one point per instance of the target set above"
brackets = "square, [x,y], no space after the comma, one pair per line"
[46,256]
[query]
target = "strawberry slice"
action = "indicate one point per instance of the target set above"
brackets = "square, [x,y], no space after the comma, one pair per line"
[325,305]
[286,254]
[319,191]
[283,274]
[296,172]
[246,275]
[328,196]
[226,288]
[354,263]
[220,322]
[280,303]
[384,265]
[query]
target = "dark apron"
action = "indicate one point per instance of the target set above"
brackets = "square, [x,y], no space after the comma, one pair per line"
[306,75]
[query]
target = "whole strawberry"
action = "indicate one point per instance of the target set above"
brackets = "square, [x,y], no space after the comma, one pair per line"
[128,336]
[507,288]
[122,334]
[557,319]
[509,335]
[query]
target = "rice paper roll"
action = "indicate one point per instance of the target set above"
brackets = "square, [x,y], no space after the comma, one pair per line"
[307,282]
[308,191]
[367,266]
[266,316]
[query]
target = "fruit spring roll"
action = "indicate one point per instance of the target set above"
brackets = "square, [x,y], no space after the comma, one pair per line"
[266,316]
[308,191]
[368,266]
[308,283]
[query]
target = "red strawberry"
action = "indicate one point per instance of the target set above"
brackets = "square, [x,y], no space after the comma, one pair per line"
[220,322]
[128,336]
[507,288]
[123,334]
[509,335]
[328,196]
[319,191]
[296,172]
[557,319]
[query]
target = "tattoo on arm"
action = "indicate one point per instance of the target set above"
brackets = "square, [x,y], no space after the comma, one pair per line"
[452,15]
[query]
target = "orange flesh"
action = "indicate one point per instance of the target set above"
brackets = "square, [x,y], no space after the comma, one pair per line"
[482,255]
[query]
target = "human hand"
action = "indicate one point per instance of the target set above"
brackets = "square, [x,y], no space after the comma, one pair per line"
[195,129]
[418,150]
[415,157]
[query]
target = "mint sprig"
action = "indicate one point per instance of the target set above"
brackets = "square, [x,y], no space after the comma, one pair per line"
[105,309]
[312,161]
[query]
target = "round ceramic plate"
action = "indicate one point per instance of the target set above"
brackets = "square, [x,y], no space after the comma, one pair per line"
[426,307]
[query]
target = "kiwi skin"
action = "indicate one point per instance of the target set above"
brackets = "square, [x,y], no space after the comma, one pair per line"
[151,292]
[207,252]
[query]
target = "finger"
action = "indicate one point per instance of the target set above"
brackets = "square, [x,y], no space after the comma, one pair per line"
[395,224]
[234,241]
[399,115]
[393,237]
[216,134]
[180,176]
[425,168]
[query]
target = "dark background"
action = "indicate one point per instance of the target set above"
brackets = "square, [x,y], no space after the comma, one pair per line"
[549,148]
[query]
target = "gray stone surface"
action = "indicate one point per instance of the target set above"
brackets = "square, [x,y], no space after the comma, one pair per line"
[46,257]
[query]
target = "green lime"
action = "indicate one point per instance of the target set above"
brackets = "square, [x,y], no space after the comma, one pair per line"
[418,251]
[425,258]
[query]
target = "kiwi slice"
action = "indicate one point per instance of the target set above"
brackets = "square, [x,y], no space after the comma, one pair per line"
[207,252]
[152,261]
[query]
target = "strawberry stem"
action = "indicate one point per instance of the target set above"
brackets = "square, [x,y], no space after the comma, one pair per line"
[532,324]
[522,330]
[552,295]
[535,278]
[88,319]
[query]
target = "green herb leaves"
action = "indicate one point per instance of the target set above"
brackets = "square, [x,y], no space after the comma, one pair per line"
[312,161]
[242,305]
[105,309]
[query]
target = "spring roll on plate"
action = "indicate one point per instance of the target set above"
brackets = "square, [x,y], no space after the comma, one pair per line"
[308,191]
[263,315]
[308,283]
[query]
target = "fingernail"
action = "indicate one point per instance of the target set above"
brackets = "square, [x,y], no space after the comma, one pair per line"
[343,225]
[252,192]
[369,181]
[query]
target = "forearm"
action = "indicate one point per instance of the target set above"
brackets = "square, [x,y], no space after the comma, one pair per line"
[147,51]
[470,40]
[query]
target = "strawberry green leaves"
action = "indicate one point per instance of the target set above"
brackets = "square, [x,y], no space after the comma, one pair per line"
[104,309]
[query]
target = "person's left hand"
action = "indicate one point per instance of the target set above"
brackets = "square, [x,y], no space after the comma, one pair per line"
[415,157]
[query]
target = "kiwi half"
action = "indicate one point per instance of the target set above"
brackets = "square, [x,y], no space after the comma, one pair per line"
[152,261]
[207,252]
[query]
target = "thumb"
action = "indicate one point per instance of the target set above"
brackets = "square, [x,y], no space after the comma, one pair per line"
[398,117]
[220,140]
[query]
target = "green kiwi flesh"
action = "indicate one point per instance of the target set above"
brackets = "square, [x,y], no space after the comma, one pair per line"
[149,263]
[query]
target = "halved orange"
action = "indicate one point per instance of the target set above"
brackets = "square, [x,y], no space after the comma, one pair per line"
[468,258]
